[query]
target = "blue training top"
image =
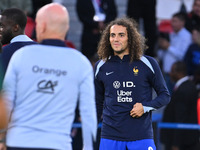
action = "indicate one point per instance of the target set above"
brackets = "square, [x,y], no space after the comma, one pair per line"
[42,86]
[119,84]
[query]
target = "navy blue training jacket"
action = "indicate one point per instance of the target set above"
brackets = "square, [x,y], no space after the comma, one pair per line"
[10,49]
[119,84]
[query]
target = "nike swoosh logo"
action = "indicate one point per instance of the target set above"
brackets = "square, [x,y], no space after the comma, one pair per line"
[108,73]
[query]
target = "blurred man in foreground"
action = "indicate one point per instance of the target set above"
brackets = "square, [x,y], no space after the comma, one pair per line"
[43,84]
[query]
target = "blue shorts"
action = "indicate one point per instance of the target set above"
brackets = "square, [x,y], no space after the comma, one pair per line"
[146,144]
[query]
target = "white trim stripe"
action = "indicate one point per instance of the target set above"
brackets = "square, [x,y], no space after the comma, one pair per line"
[148,109]
[99,66]
[146,61]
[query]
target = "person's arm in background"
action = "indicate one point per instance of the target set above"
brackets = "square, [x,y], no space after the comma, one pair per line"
[87,106]
[9,92]
[3,112]
[111,11]
[3,123]
[85,12]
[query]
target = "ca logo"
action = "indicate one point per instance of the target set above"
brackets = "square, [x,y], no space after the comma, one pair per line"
[47,86]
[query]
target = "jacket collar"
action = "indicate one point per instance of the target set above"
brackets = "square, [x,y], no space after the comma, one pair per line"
[126,58]
[54,42]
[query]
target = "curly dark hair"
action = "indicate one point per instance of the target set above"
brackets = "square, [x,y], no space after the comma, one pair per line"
[16,15]
[136,42]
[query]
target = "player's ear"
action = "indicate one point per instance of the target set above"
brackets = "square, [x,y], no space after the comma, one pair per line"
[16,28]
[43,27]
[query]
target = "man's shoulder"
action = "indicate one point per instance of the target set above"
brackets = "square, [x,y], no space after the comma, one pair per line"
[17,45]
[184,32]
[149,60]
[54,50]
[194,47]
[188,84]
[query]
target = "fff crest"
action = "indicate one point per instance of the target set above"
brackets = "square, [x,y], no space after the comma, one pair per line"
[135,71]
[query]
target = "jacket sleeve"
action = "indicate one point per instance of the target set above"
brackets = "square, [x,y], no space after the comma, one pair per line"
[87,105]
[99,94]
[160,87]
[10,82]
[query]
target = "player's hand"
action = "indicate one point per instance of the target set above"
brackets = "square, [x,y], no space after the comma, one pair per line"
[2,146]
[163,44]
[137,110]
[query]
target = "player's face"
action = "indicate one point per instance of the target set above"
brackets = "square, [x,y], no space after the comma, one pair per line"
[177,24]
[5,30]
[119,40]
[196,36]
[196,7]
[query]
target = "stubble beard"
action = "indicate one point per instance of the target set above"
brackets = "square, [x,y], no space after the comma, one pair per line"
[120,51]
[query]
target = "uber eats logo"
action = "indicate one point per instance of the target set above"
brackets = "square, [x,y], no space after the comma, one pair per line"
[122,95]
